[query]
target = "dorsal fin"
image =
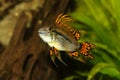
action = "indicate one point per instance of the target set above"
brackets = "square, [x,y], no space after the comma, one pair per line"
[64,21]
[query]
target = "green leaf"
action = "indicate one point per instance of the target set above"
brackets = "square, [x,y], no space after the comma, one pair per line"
[71,77]
[111,71]
[81,73]
[96,69]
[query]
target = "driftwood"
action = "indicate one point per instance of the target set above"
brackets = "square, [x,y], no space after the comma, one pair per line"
[7,5]
[26,57]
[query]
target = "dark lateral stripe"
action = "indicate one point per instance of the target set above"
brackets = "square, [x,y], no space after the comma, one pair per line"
[63,36]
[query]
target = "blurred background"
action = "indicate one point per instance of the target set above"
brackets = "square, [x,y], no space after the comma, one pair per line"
[100,18]
[101,21]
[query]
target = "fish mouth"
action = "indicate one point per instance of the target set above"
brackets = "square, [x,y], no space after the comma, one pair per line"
[40,32]
[43,32]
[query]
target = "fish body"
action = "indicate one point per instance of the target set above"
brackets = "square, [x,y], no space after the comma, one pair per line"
[59,38]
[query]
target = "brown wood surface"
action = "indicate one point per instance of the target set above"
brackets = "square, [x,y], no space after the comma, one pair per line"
[26,57]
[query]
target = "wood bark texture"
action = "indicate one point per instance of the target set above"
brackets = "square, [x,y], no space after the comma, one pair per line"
[26,57]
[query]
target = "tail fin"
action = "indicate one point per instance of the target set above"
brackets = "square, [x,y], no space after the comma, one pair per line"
[85,49]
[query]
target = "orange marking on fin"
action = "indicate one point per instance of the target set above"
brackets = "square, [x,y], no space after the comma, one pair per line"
[85,48]
[77,35]
[58,19]
[63,21]
[73,54]
[76,56]
[53,51]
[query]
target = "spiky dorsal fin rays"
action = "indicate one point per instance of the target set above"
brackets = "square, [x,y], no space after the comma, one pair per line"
[64,21]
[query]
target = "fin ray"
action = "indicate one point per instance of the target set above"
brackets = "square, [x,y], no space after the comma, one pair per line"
[64,21]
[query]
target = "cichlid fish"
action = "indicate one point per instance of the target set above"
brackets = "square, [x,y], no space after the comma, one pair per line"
[63,37]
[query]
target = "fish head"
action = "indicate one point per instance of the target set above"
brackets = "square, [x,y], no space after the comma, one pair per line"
[46,33]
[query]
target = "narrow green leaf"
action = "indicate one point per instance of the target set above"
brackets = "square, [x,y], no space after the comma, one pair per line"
[96,69]
[111,71]
[71,78]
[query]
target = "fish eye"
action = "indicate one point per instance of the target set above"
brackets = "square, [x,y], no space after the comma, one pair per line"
[50,28]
